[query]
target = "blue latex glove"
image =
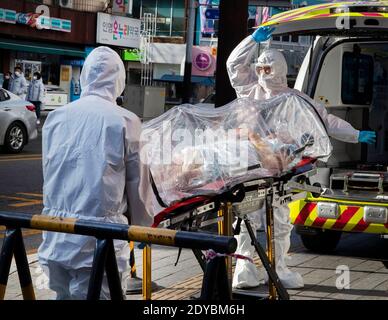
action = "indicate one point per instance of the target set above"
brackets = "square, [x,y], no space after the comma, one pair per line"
[262,34]
[368,137]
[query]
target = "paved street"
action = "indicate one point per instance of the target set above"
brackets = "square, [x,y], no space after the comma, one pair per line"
[368,276]
[21,186]
[21,190]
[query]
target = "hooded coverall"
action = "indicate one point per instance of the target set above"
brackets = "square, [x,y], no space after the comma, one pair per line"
[91,171]
[248,83]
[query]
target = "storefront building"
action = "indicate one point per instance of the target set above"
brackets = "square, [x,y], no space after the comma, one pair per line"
[53,40]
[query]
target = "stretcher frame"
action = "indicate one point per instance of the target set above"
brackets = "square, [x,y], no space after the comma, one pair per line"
[274,191]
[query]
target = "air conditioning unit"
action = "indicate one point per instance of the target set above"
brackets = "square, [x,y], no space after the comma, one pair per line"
[66,3]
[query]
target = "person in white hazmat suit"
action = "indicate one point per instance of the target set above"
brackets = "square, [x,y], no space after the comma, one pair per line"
[91,171]
[266,80]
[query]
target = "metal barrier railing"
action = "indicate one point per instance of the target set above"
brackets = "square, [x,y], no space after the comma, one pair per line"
[215,281]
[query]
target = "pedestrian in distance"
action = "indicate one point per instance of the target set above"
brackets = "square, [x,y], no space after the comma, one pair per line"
[18,84]
[7,78]
[35,94]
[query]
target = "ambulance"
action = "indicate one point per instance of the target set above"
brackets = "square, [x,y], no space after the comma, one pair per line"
[345,69]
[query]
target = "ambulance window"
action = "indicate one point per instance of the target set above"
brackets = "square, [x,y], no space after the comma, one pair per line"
[286,38]
[357,78]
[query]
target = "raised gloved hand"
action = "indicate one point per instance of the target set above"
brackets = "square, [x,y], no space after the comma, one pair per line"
[262,34]
[368,137]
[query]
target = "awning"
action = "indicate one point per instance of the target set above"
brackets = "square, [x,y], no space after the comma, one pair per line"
[207,81]
[41,48]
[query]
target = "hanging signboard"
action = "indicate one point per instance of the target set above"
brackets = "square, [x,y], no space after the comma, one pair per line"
[118,30]
[35,20]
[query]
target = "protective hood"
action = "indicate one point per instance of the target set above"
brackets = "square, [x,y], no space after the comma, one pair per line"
[103,74]
[276,81]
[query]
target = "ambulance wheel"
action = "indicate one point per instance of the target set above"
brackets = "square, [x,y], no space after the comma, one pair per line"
[322,241]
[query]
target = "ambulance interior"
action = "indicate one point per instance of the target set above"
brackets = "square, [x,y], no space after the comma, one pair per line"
[350,78]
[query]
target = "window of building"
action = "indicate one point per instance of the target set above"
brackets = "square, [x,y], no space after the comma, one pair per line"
[170,15]
[164,18]
[178,18]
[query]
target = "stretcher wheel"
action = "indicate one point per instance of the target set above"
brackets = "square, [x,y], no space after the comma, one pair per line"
[321,241]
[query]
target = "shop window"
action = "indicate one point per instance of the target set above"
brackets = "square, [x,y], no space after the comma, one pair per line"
[170,15]
[286,38]
[163,20]
[294,38]
[148,6]
[178,18]
[136,8]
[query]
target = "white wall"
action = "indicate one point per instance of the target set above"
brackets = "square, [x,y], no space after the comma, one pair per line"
[161,69]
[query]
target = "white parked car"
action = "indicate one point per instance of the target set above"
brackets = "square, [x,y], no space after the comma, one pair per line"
[17,122]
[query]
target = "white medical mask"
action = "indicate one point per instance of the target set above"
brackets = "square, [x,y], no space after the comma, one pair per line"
[17,73]
[35,77]
[7,77]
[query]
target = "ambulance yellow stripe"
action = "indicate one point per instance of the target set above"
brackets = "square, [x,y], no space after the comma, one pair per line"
[311,218]
[354,220]
[375,228]
[328,224]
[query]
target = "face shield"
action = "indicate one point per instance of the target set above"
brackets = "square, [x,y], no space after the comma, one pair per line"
[271,69]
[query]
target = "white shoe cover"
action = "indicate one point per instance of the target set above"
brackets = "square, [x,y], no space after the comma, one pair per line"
[289,279]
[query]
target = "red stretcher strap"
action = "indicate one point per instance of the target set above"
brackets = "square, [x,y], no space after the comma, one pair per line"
[303,162]
[179,205]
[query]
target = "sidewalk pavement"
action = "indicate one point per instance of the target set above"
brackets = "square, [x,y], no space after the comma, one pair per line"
[322,274]
[164,273]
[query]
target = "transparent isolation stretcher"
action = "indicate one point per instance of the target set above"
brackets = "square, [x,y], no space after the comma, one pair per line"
[202,152]
[243,154]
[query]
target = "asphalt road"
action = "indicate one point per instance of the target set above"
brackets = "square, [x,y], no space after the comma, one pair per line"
[21,183]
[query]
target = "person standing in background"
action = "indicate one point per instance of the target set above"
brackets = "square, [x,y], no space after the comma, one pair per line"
[7,78]
[18,83]
[35,93]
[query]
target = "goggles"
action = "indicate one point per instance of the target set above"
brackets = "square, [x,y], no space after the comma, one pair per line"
[265,69]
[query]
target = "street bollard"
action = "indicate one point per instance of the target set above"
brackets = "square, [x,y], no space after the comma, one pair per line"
[134,284]
[147,284]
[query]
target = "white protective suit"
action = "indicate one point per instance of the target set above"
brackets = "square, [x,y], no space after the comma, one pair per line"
[248,83]
[91,171]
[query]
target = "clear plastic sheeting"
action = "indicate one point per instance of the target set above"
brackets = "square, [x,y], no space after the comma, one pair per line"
[198,151]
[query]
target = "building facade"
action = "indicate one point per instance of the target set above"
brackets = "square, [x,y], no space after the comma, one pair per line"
[49,36]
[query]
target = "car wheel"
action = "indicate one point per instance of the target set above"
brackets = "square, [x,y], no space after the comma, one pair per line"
[15,138]
[323,241]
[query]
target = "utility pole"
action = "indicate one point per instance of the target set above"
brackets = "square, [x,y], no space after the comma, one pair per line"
[189,51]
[233,27]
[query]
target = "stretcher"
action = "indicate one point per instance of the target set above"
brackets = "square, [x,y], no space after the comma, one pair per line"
[199,212]
[200,191]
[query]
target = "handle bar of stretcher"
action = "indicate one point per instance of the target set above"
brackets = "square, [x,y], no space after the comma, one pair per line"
[103,230]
